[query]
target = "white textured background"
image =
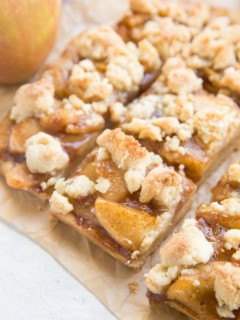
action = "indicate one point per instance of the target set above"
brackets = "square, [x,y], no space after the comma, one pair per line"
[33,286]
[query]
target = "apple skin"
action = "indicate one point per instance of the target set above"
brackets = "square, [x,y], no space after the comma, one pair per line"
[28,29]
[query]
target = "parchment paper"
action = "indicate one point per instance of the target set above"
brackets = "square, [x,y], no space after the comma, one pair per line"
[107,279]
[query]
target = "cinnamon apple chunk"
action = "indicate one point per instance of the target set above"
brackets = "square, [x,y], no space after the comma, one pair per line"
[123,198]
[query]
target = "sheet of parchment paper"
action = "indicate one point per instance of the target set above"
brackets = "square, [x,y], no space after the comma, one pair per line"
[107,279]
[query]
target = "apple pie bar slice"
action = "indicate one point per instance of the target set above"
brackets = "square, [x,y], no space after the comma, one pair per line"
[180,121]
[98,66]
[123,198]
[42,136]
[199,273]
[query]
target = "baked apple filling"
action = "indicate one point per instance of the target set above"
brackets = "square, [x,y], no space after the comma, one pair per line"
[202,277]
[123,198]
[180,121]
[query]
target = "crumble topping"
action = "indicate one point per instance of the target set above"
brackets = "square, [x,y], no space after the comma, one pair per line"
[162,185]
[173,63]
[232,239]
[236,256]
[79,186]
[133,287]
[78,116]
[143,6]
[47,184]
[183,81]
[227,289]
[102,154]
[175,109]
[117,111]
[166,36]
[185,249]
[216,43]
[124,71]
[148,56]
[233,173]
[144,107]
[102,185]
[191,13]
[231,78]
[60,204]
[36,99]
[128,155]
[86,82]
[230,207]
[94,43]
[44,154]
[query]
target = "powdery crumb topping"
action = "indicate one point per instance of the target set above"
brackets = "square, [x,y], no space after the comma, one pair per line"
[233,173]
[81,116]
[216,123]
[94,43]
[173,63]
[168,37]
[88,84]
[102,154]
[227,289]
[60,204]
[144,107]
[162,115]
[124,71]
[102,185]
[44,154]
[232,239]
[230,207]
[148,56]
[47,184]
[36,99]
[164,186]
[183,81]
[231,78]
[236,256]
[76,187]
[216,43]
[117,111]
[128,155]
[144,129]
[142,6]
[185,249]
[191,13]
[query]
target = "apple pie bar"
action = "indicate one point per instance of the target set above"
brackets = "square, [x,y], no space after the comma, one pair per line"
[199,273]
[123,198]
[177,119]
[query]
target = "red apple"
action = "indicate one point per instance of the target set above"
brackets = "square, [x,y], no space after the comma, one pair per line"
[28,29]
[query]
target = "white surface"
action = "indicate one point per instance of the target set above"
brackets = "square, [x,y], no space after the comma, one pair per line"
[33,286]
